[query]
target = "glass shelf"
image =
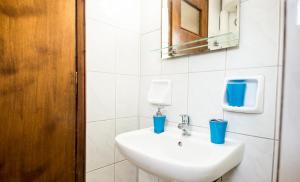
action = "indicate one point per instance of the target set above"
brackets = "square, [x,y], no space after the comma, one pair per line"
[215,42]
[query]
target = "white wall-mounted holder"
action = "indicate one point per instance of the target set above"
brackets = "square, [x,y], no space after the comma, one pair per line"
[160,93]
[254,95]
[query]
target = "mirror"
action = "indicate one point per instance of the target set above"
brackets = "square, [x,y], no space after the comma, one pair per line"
[198,26]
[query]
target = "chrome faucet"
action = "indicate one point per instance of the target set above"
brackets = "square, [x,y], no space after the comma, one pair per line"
[185,125]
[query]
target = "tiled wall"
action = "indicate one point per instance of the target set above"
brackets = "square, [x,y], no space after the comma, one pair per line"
[198,84]
[113,65]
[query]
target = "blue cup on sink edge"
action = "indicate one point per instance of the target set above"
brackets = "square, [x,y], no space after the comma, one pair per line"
[217,131]
[159,123]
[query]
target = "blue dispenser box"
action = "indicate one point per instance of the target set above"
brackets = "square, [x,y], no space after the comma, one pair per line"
[159,123]
[235,92]
[217,131]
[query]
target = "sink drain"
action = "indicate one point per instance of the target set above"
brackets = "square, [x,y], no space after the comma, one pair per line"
[180,144]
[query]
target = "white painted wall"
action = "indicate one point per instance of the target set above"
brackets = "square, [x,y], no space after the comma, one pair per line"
[290,145]
[113,64]
[198,84]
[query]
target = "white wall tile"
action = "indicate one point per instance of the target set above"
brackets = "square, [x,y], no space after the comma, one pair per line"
[127,14]
[179,96]
[105,174]
[257,161]
[262,125]
[150,60]
[100,46]
[208,62]
[113,68]
[145,108]
[164,180]
[150,15]
[124,125]
[100,96]
[125,172]
[176,65]
[100,144]
[259,39]
[101,10]
[127,96]
[146,122]
[205,97]
[128,52]
[146,177]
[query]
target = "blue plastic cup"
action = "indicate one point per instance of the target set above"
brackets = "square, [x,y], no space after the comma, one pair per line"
[159,124]
[235,92]
[217,131]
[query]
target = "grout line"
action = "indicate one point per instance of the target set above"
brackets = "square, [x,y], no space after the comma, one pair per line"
[150,31]
[112,73]
[110,119]
[140,81]
[216,70]
[188,87]
[108,165]
[253,67]
[122,28]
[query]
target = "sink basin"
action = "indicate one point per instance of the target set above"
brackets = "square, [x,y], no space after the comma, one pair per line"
[181,158]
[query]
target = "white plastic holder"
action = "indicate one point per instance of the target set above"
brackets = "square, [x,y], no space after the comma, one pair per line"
[254,96]
[160,93]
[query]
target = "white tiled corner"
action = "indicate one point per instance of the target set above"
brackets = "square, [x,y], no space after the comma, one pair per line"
[257,161]
[150,15]
[128,52]
[282,33]
[279,102]
[100,96]
[150,60]
[262,125]
[146,122]
[127,95]
[124,125]
[175,65]
[100,134]
[208,62]
[100,46]
[145,108]
[146,177]
[125,172]
[179,96]
[275,161]
[259,35]
[205,97]
[104,174]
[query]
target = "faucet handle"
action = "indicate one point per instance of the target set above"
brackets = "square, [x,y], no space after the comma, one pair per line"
[185,119]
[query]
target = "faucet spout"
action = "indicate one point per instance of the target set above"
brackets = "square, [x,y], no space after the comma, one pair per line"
[185,125]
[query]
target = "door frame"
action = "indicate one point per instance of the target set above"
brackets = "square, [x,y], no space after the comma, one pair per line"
[81,95]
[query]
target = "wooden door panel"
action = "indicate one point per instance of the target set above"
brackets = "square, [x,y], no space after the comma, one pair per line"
[37,90]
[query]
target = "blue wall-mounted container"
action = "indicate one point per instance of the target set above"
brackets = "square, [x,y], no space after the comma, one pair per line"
[217,131]
[159,123]
[235,92]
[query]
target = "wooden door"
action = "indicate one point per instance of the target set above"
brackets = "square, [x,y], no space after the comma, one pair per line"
[179,33]
[38,91]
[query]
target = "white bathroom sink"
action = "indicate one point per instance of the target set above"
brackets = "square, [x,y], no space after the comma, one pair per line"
[196,160]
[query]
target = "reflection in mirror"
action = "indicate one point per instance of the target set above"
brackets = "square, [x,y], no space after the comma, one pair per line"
[198,26]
